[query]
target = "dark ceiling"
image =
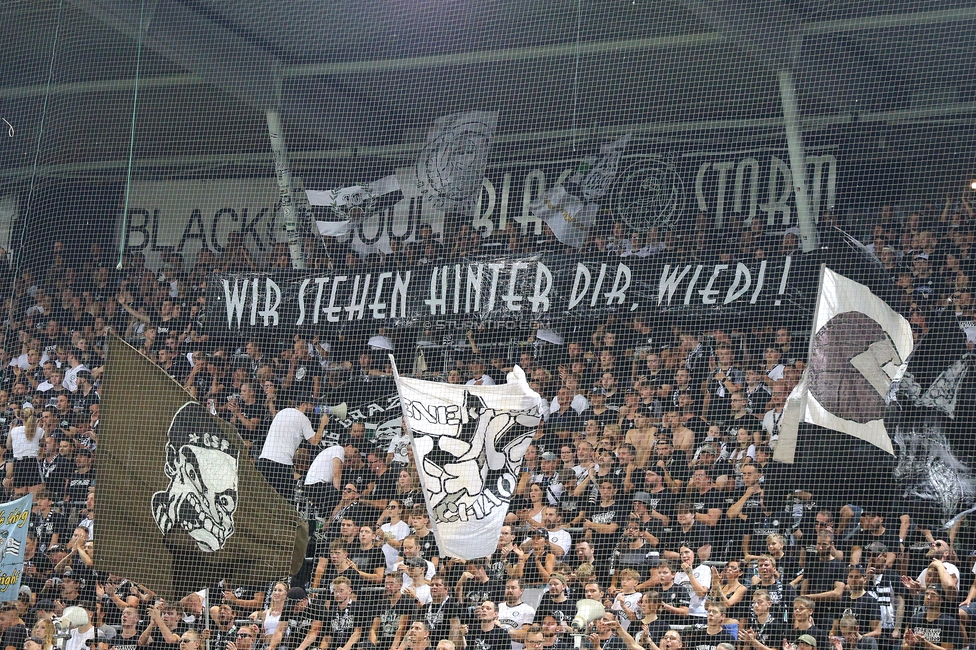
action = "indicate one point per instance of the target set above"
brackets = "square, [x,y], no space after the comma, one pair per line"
[358,84]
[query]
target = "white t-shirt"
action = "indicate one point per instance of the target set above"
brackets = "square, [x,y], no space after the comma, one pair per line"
[398,447]
[514,618]
[423,593]
[633,603]
[578,404]
[696,604]
[71,377]
[484,379]
[950,568]
[560,538]
[286,432]
[21,446]
[400,531]
[321,471]
[77,639]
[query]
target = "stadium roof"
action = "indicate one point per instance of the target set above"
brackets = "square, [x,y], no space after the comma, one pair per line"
[363,81]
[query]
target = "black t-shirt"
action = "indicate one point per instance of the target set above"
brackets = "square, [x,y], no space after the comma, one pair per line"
[702,503]
[821,577]
[676,596]
[314,611]
[390,615]
[863,539]
[15,636]
[385,486]
[697,536]
[341,623]
[475,593]
[781,595]
[699,639]
[366,561]
[563,612]
[865,609]
[46,527]
[55,472]
[496,638]
[428,546]
[132,643]
[770,633]
[941,631]
[439,618]
[498,564]
[816,632]
[662,502]
[76,488]
[617,513]
[36,571]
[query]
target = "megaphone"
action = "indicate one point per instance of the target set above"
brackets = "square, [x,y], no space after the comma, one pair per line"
[71,617]
[587,611]
[338,411]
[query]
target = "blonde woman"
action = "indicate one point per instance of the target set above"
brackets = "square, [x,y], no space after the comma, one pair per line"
[24,472]
[271,617]
[44,631]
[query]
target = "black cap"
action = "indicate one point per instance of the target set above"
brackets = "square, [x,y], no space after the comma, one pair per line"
[540,532]
[296,593]
[415,562]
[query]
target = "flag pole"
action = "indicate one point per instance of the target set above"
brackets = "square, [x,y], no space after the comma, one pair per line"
[206,613]
[798,161]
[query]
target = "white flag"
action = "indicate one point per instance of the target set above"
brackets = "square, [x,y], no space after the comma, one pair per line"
[570,210]
[858,346]
[362,196]
[451,166]
[468,442]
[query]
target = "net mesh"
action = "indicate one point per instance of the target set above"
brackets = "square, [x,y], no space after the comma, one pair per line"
[225,227]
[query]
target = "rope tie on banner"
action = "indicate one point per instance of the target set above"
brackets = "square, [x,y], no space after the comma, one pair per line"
[132,139]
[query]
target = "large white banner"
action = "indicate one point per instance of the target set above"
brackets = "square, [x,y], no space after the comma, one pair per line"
[468,444]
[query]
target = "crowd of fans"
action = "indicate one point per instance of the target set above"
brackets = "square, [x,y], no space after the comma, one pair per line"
[645,489]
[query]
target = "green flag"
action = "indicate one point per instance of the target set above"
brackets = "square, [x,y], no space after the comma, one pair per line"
[180,504]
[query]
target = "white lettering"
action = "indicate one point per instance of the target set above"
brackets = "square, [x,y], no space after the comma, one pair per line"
[539,299]
[512,299]
[400,286]
[691,285]
[708,293]
[576,296]
[474,283]
[376,306]
[301,301]
[235,303]
[271,311]
[495,270]
[360,306]
[669,283]
[435,303]
[741,271]
[318,299]
[332,311]
[618,293]
[599,284]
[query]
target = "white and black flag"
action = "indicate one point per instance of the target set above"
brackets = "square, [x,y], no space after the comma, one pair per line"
[451,166]
[570,209]
[468,443]
[858,347]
